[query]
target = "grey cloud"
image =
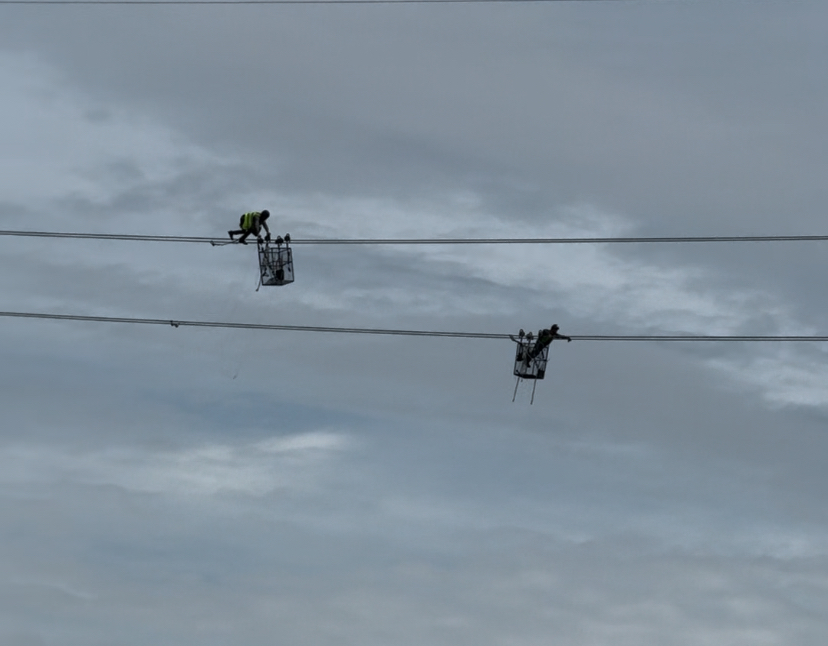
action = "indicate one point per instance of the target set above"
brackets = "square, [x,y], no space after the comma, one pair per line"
[670,130]
[652,494]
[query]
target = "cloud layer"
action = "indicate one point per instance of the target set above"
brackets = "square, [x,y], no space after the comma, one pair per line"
[212,487]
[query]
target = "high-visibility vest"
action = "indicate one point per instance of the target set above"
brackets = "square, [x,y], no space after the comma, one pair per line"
[248,219]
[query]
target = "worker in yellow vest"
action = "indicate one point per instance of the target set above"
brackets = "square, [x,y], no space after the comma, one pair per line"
[252,222]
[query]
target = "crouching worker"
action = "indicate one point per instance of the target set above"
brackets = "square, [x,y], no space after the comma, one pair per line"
[252,222]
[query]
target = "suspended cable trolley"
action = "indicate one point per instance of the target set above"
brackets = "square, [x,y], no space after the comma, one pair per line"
[531,356]
[276,261]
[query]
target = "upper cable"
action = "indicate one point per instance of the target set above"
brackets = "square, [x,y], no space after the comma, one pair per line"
[430,241]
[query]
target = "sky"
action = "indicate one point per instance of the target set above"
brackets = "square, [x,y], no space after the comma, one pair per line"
[183,486]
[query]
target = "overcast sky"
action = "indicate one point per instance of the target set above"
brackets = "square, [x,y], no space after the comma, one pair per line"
[209,487]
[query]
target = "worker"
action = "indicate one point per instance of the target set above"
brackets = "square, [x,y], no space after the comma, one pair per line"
[545,337]
[251,223]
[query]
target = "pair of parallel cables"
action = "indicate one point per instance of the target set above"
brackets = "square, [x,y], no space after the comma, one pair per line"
[420,241]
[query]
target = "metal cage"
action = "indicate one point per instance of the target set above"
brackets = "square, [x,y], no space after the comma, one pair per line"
[276,263]
[528,366]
